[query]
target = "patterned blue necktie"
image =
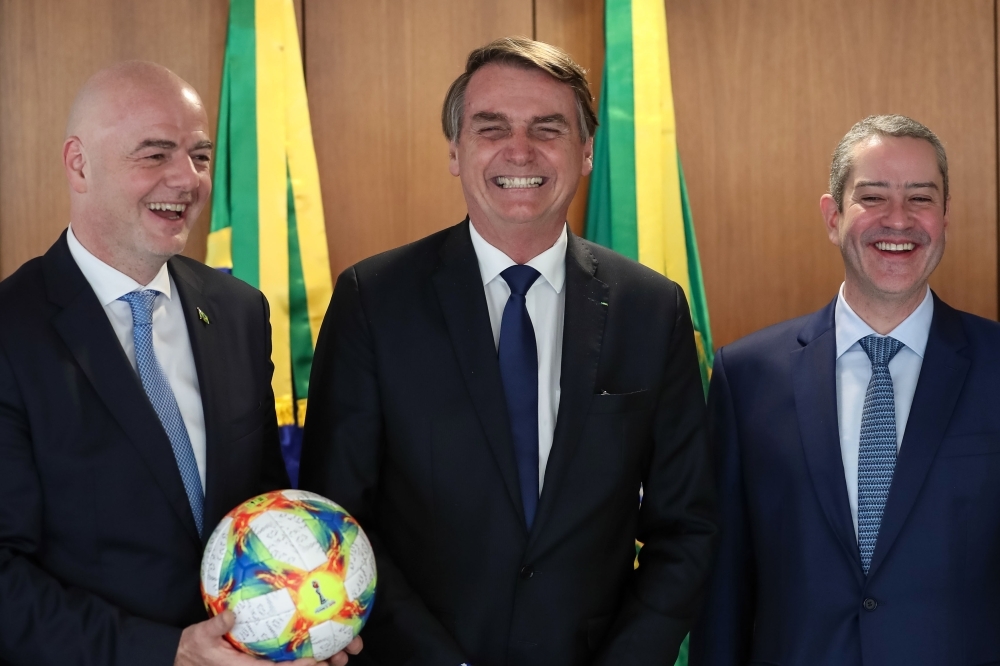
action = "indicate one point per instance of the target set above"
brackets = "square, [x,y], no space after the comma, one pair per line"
[518,354]
[877,447]
[154,381]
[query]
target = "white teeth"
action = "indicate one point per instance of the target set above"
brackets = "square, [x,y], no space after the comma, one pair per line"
[510,183]
[177,208]
[894,247]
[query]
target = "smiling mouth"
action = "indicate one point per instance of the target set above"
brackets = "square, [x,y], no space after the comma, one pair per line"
[894,247]
[518,183]
[168,211]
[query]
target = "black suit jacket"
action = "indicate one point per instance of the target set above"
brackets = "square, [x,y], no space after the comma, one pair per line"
[408,429]
[789,589]
[99,553]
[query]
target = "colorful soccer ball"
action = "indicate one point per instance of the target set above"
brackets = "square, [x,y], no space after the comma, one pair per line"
[296,569]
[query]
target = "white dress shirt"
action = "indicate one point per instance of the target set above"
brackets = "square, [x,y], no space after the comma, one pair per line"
[546,303]
[854,371]
[170,335]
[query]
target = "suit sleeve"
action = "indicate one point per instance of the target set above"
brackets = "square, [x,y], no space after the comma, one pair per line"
[42,621]
[677,517]
[341,456]
[722,636]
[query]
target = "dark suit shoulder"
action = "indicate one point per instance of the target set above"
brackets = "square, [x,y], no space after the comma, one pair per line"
[768,349]
[405,262]
[214,280]
[620,272]
[980,329]
[24,303]
[24,284]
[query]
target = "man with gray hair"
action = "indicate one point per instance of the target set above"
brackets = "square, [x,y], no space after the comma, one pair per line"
[487,402]
[858,448]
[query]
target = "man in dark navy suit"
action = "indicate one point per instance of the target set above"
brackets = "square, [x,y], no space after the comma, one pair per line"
[859,446]
[135,397]
[488,400]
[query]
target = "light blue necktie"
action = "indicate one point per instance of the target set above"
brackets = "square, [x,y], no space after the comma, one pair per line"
[154,381]
[518,356]
[877,447]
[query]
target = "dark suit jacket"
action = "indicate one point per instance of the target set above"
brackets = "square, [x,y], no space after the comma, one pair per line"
[788,588]
[99,553]
[408,429]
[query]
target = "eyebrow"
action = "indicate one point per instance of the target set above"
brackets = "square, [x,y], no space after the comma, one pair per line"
[882,183]
[166,144]
[490,116]
[554,118]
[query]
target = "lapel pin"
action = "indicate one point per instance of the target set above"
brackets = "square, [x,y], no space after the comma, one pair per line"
[604,303]
[202,316]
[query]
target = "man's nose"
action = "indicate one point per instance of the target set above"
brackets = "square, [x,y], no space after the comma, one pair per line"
[519,149]
[898,217]
[183,174]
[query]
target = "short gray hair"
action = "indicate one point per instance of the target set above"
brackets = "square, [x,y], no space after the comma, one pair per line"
[888,125]
[523,53]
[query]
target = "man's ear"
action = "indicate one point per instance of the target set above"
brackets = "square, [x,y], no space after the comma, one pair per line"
[75,164]
[831,217]
[588,157]
[453,157]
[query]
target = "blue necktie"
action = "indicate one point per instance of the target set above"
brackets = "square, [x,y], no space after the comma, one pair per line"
[518,356]
[877,447]
[154,381]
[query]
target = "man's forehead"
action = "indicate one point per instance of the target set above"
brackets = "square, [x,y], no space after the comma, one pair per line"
[509,89]
[894,160]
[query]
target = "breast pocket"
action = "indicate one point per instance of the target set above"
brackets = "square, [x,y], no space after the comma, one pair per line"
[977,444]
[617,403]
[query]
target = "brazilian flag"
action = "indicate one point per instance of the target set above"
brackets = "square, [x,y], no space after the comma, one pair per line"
[267,212]
[638,202]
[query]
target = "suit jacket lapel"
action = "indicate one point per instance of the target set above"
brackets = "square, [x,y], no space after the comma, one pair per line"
[207,349]
[942,375]
[84,327]
[814,380]
[459,287]
[583,330]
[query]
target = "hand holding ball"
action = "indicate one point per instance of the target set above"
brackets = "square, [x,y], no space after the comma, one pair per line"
[296,569]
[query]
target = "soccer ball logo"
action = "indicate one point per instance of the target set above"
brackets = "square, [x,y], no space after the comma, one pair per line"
[296,569]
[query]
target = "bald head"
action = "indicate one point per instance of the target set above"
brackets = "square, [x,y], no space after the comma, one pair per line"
[111,92]
[137,155]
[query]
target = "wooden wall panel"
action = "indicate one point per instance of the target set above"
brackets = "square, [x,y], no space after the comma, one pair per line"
[764,90]
[377,72]
[48,48]
[576,26]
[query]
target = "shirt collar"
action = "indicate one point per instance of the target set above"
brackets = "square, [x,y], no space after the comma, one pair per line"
[551,263]
[912,331]
[108,282]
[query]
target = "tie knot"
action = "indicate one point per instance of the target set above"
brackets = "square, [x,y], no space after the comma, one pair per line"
[141,302]
[880,349]
[520,278]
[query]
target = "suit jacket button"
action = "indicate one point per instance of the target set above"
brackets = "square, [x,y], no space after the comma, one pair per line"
[527,572]
[870,604]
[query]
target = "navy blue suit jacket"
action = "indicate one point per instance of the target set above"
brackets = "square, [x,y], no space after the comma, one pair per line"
[99,552]
[788,587]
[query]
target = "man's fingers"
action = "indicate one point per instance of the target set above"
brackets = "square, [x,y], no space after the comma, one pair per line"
[221,623]
[355,646]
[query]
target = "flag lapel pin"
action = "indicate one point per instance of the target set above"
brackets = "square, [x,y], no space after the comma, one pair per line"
[202,316]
